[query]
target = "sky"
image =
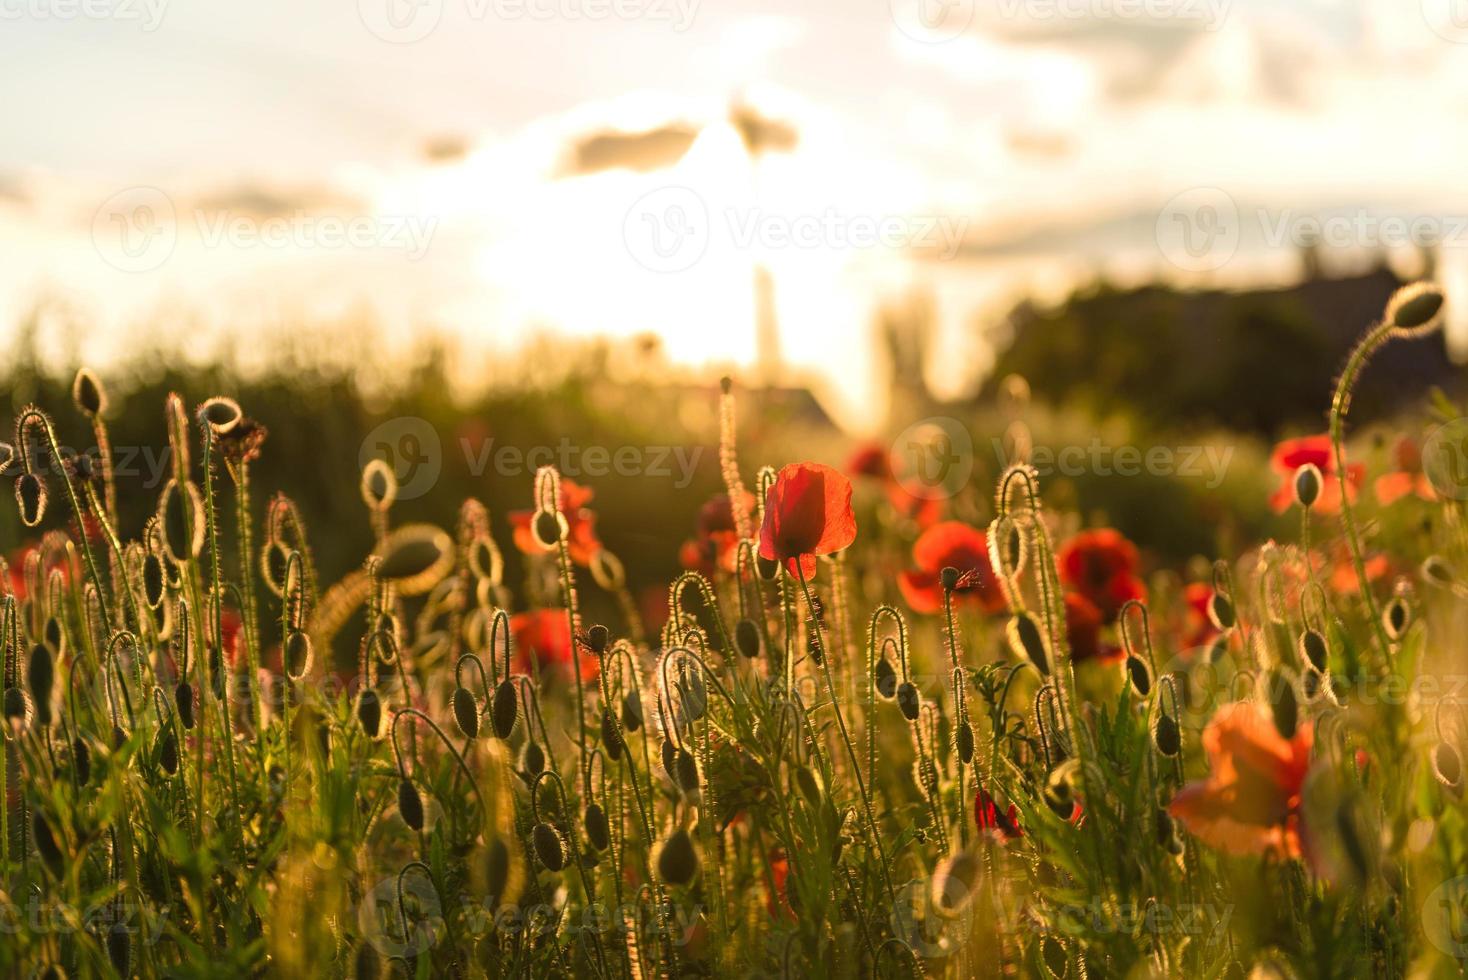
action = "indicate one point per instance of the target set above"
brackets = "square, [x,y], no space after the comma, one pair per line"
[493,168]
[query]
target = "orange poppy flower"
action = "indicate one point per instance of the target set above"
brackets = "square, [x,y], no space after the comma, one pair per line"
[951,544]
[807,513]
[581,540]
[1407,478]
[1101,565]
[1250,803]
[1292,454]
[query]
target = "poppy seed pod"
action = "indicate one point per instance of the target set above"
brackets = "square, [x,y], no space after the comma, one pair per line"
[1166,735]
[597,638]
[88,393]
[549,527]
[1140,675]
[677,860]
[948,578]
[598,832]
[81,760]
[532,758]
[746,638]
[1313,650]
[379,485]
[632,711]
[1284,704]
[1221,612]
[30,494]
[40,676]
[466,712]
[504,709]
[410,805]
[1026,641]
[885,678]
[369,712]
[550,846]
[1396,617]
[298,654]
[1447,765]
[1415,308]
[955,881]
[611,739]
[1308,482]
[908,701]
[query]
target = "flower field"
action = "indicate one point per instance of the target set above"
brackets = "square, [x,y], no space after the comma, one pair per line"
[878,730]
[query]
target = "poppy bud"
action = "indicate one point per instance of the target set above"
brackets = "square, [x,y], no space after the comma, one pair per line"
[379,485]
[369,712]
[1166,735]
[1026,641]
[167,751]
[685,770]
[594,819]
[504,710]
[416,557]
[532,758]
[1311,681]
[298,654]
[767,568]
[1436,570]
[1415,307]
[1313,650]
[632,711]
[1396,617]
[550,846]
[548,525]
[668,753]
[466,712]
[693,694]
[611,739]
[955,881]
[410,805]
[1447,765]
[30,494]
[181,515]
[886,677]
[220,414]
[746,638]
[1284,704]
[88,393]
[948,578]
[81,761]
[1140,675]
[965,742]
[1221,612]
[677,861]
[153,580]
[14,707]
[1308,482]
[41,675]
[597,638]
[46,845]
[908,700]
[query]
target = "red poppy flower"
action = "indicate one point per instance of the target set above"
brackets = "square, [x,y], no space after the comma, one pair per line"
[807,513]
[870,460]
[1292,454]
[1004,825]
[951,544]
[777,901]
[1407,478]
[1101,565]
[1083,624]
[581,539]
[544,634]
[1250,803]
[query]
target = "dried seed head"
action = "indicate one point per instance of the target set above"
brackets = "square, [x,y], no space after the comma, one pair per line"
[611,739]
[908,701]
[30,494]
[549,528]
[598,832]
[1026,640]
[466,712]
[221,415]
[379,485]
[746,638]
[632,710]
[1396,617]
[677,860]
[88,393]
[885,677]
[415,558]
[410,805]
[1166,735]
[1308,482]
[1140,675]
[298,654]
[1447,765]
[532,758]
[1313,649]
[1415,308]
[550,846]
[955,881]
[504,709]
[1284,703]
[369,712]
[1221,611]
